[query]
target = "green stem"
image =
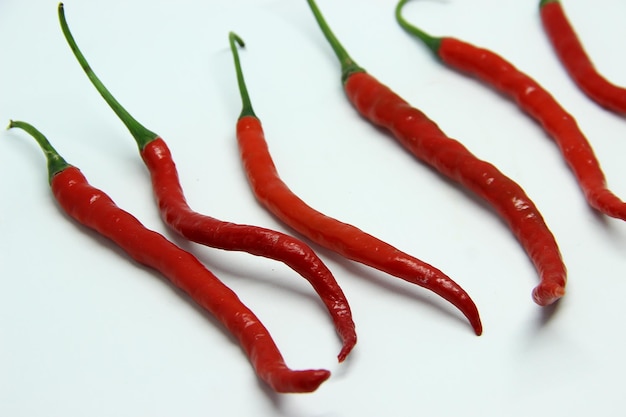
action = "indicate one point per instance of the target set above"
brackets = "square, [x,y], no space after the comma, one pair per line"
[432,42]
[544,2]
[56,163]
[142,135]
[246,109]
[348,66]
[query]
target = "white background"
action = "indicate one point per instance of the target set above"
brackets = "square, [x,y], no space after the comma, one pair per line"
[86,331]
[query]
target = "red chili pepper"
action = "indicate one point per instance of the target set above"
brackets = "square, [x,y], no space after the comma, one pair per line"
[538,103]
[326,231]
[577,63]
[94,209]
[422,137]
[216,233]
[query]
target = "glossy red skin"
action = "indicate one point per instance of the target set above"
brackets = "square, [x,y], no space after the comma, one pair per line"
[425,140]
[252,239]
[332,234]
[538,103]
[577,63]
[95,209]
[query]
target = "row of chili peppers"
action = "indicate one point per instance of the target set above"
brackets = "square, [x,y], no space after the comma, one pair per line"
[412,128]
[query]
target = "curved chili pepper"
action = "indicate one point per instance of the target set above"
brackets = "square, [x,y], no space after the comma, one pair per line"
[575,60]
[326,231]
[216,233]
[94,209]
[538,103]
[422,137]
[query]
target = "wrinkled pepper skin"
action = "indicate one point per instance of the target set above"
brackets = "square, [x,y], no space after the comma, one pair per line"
[340,237]
[421,136]
[94,209]
[543,107]
[212,232]
[572,55]
[255,240]
[426,141]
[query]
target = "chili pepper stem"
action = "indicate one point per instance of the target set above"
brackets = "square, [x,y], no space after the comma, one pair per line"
[142,135]
[544,2]
[432,42]
[246,109]
[348,66]
[56,163]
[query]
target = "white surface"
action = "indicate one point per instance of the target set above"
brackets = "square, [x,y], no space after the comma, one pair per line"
[85,331]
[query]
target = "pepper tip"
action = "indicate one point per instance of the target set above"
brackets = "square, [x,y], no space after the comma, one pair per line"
[476,324]
[297,381]
[346,349]
[545,296]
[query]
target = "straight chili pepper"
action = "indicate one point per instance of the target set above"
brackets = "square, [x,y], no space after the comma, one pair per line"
[538,103]
[326,231]
[576,61]
[94,209]
[220,234]
[425,140]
